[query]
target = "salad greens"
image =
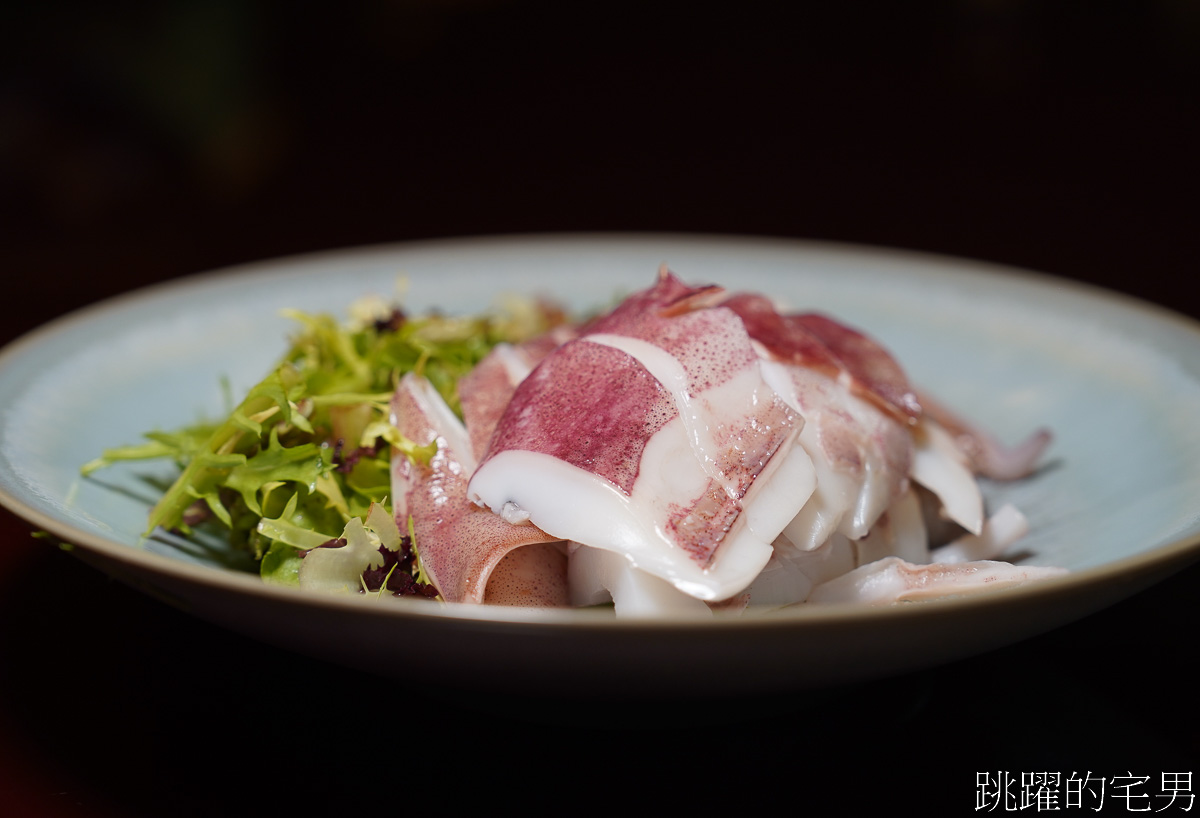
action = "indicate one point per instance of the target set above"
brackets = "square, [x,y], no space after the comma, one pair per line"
[302,462]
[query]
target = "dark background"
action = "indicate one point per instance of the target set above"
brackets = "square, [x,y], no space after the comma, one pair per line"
[140,142]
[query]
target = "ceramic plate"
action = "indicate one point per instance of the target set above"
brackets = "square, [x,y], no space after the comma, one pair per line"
[1118,381]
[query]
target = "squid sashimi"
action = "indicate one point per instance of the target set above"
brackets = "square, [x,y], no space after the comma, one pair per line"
[986,455]
[818,343]
[866,423]
[468,553]
[692,451]
[653,435]
[894,580]
[486,390]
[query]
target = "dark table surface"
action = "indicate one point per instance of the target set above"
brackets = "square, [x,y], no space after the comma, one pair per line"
[189,136]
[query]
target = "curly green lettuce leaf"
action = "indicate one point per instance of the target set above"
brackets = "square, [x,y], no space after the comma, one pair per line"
[338,566]
[307,450]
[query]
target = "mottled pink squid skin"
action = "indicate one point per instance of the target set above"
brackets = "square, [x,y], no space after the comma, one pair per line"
[823,358]
[596,406]
[703,369]
[485,391]
[468,553]
[817,342]
[986,455]
[711,342]
[588,405]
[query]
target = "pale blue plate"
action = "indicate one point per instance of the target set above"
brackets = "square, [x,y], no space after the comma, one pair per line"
[1118,381]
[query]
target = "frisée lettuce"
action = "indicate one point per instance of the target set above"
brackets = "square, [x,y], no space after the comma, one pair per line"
[302,461]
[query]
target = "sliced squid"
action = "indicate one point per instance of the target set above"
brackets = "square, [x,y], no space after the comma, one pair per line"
[461,546]
[793,572]
[861,456]
[940,466]
[986,455]
[895,580]
[700,452]
[1000,531]
[818,343]
[486,390]
[598,576]
[654,435]
[865,424]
